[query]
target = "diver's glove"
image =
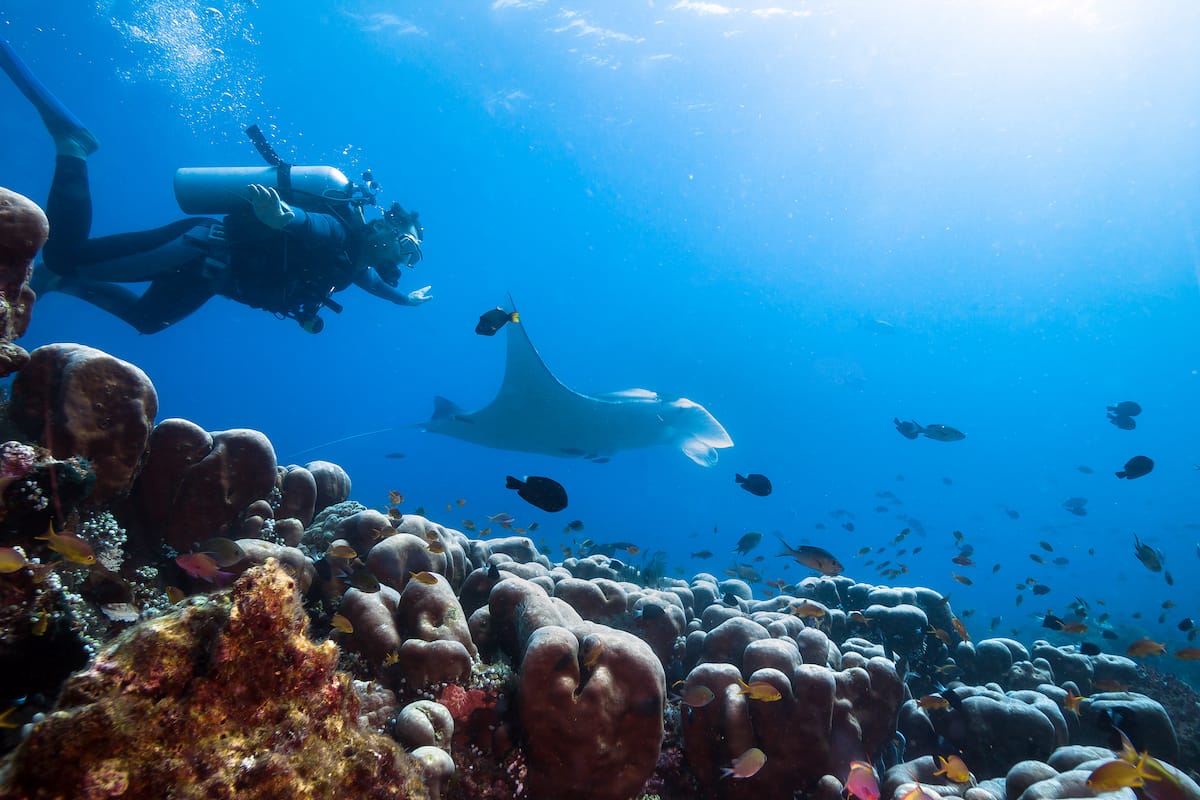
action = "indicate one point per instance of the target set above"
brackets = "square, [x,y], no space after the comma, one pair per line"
[269,207]
[418,296]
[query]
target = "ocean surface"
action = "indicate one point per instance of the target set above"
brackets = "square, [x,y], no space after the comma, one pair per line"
[811,218]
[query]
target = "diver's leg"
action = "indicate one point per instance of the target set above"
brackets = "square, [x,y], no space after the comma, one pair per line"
[168,299]
[71,137]
[69,210]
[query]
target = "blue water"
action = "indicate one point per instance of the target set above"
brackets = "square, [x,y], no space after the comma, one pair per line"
[716,202]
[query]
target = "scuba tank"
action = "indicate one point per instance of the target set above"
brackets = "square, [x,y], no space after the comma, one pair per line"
[222,190]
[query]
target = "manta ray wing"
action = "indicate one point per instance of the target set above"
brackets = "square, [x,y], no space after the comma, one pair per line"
[534,412]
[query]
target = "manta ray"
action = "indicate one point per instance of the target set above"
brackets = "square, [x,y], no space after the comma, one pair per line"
[534,412]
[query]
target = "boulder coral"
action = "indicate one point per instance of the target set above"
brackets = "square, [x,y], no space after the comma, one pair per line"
[79,401]
[23,231]
[197,483]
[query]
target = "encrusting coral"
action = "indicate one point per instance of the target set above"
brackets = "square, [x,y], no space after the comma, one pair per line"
[223,698]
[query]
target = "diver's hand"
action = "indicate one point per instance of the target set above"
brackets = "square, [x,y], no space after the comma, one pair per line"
[269,208]
[418,296]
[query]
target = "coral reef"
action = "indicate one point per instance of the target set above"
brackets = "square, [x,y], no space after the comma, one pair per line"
[225,697]
[505,675]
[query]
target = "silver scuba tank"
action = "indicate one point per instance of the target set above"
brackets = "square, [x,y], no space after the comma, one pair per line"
[222,190]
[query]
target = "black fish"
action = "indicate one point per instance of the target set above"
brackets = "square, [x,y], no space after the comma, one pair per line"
[1136,467]
[1041,588]
[1126,408]
[754,483]
[1123,422]
[394,455]
[1089,649]
[545,493]
[909,429]
[1053,623]
[1186,624]
[494,320]
[1109,634]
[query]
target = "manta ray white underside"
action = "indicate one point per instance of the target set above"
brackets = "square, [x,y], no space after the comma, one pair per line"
[535,413]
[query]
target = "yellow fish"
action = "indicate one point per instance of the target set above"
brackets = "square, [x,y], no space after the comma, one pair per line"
[11,560]
[1116,774]
[341,623]
[954,769]
[759,690]
[69,546]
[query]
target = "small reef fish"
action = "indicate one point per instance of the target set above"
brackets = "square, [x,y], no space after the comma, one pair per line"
[1076,505]
[395,498]
[544,493]
[69,546]
[816,558]
[1122,414]
[939,433]
[746,765]
[696,696]
[754,483]
[6,722]
[502,519]
[954,769]
[341,623]
[363,580]
[933,702]
[759,690]
[199,565]
[226,552]
[1188,654]
[1145,647]
[1072,701]
[341,551]
[807,610]
[748,542]
[919,792]
[702,554]
[427,578]
[1151,558]
[11,560]
[495,319]
[1114,775]
[862,781]
[1136,467]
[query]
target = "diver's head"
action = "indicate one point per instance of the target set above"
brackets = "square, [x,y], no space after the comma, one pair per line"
[393,241]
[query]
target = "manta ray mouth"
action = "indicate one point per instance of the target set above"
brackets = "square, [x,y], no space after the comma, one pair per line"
[534,412]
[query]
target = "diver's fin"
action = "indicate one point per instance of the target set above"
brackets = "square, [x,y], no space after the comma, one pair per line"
[68,132]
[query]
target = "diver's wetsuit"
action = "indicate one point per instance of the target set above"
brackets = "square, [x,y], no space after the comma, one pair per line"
[289,272]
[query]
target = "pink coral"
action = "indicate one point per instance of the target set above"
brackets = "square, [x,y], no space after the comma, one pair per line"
[16,460]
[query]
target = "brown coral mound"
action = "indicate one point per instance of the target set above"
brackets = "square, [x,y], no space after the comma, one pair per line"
[220,700]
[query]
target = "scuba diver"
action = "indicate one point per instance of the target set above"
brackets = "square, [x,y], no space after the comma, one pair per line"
[289,239]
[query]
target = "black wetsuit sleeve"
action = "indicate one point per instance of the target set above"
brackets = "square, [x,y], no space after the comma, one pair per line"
[318,229]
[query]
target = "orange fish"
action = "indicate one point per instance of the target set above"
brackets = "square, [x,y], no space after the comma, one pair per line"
[1145,647]
[933,702]
[427,578]
[460,502]
[1116,774]
[954,769]
[1076,628]
[807,610]
[69,546]
[395,498]
[862,782]
[198,565]
[436,547]
[919,792]
[1071,703]
[391,659]
[960,629]
[174,594]
[1188,654]
[963,561]
[963,579]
